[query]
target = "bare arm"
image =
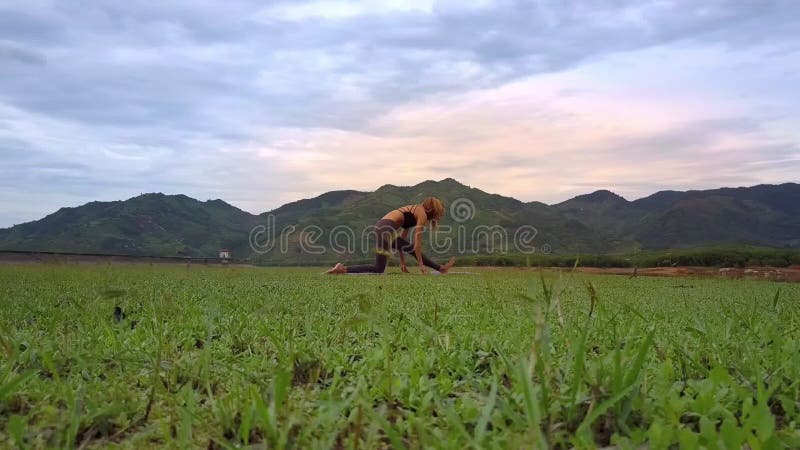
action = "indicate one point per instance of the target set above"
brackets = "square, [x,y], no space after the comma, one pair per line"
[404,235]
[422,219]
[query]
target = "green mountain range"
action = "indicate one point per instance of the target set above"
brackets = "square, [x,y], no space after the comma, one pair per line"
[600,222]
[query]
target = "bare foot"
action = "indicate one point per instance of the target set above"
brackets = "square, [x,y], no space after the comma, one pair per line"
[338,269]
[448,266]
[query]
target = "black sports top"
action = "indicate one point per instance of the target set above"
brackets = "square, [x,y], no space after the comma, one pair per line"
[409,219]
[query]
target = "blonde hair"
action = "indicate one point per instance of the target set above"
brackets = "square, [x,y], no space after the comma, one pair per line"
[434,209]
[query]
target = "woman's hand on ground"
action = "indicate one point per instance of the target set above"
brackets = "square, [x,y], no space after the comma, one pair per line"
[423,270]
[403,268]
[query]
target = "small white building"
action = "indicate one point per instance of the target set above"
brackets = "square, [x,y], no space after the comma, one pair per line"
[224,254]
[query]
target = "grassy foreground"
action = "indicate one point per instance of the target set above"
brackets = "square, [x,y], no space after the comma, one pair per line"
[154,356]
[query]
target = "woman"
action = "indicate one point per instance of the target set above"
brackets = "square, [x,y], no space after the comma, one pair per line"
[430,211]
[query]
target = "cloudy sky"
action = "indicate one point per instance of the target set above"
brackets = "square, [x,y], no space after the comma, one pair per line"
[264,102]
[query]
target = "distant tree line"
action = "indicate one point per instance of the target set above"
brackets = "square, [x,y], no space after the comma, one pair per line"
[721,256]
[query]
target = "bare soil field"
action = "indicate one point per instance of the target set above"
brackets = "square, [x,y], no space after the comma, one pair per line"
[790,274]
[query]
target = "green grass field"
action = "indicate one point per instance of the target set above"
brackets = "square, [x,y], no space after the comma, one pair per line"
[288,358]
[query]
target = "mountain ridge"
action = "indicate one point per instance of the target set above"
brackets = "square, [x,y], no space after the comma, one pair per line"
[600,221]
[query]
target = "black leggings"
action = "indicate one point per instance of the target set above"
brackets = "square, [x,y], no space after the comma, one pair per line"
[386,239]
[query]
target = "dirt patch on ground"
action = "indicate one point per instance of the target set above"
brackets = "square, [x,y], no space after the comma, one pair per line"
[790,274]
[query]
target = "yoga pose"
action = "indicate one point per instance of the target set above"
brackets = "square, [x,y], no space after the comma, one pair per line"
[386,235]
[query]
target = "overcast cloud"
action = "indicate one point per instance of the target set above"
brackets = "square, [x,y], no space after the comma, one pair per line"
[261,103]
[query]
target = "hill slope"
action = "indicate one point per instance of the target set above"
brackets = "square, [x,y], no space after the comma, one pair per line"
[157,224]
[359,210]
[761,215]
[150,224]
